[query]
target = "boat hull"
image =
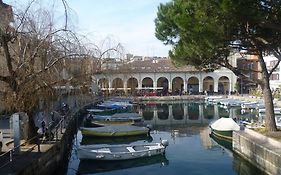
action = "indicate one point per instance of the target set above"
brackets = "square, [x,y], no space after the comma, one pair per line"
[115,130]
[223,134]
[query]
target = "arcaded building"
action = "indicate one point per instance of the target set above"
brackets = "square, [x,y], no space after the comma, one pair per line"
[162,75]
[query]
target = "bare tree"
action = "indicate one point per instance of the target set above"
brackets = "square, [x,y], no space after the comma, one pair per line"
[32,56]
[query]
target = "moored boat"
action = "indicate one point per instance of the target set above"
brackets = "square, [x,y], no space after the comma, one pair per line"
[121,152]
[118,118]
[114,130]
[224,127]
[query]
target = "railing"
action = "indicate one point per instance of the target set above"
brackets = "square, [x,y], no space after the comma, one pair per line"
[10,155]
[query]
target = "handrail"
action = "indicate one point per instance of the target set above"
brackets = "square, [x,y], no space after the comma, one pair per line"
[60,125]
[11,151]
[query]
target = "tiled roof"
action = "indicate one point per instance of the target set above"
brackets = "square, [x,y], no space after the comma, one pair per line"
[157,65]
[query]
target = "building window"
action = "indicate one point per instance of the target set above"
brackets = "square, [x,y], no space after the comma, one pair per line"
[274,77]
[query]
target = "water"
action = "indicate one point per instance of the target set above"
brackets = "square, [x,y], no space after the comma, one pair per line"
[190,150]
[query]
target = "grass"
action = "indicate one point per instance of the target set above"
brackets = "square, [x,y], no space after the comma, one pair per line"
[275,135]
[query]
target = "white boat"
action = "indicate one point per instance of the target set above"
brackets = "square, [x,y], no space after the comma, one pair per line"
[224,127]
[231,103]
[276,110]
[121,152]
[249,105]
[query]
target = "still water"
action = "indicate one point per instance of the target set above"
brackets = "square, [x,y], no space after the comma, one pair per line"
[191,149]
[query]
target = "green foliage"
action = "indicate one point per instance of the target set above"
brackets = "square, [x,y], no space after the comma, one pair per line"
[256,92]
[204,32]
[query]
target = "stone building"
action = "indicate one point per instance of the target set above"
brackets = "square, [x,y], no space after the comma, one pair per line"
[160,75]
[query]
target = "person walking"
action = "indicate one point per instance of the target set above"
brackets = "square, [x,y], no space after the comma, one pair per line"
[1,141]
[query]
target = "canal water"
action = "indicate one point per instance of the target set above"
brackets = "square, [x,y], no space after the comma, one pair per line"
[192,150]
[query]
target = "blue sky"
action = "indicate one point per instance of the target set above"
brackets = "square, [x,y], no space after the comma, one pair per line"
[129,22]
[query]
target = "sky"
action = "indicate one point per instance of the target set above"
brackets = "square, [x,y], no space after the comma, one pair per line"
[129,22]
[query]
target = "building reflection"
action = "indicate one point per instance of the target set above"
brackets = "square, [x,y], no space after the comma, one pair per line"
[182,113]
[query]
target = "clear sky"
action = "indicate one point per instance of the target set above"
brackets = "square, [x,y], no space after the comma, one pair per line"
[129,22]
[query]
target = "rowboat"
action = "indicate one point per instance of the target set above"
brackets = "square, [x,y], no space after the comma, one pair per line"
[121,152]
[118,118]
[114,130]
[224,127]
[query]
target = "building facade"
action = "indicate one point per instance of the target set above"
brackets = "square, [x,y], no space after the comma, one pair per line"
[162,76]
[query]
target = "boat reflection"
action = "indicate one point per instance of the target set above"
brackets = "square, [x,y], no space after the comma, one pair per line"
[221,141]
[117,140]
[91,166]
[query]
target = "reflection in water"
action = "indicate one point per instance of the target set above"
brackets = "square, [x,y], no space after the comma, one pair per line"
[178,111]
[209,111]
[190,112]
[88,166]
[162,111]
[222,142]
[193,111]
[243,167]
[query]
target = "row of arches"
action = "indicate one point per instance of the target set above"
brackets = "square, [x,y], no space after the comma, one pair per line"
[177,84]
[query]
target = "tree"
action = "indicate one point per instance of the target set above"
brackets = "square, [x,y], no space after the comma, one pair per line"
[32,53]
[204,33]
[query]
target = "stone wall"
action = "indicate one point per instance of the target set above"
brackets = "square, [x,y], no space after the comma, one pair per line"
[263,152]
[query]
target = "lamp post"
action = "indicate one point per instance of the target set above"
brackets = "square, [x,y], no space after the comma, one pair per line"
[241,86]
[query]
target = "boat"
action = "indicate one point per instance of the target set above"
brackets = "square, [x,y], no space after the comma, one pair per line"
[121,152]
[114,130]
[117,118]
[277,111]
[116,140]
[97,166]
[224,127]
[250,105]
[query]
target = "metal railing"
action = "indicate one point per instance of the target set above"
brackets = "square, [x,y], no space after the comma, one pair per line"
[56,131]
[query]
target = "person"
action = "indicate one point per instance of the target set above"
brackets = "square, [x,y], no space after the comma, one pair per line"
[1,141]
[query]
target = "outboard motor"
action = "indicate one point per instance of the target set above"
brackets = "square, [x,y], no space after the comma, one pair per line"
[165,143]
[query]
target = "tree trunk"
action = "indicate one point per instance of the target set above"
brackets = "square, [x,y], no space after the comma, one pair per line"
[32,130]
[270,123]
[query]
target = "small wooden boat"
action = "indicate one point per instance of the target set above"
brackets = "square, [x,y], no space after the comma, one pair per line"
[224,127]
[118,118]
[121,152]
[114,130]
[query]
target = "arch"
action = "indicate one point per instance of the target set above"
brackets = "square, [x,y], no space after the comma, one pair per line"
[147,82]
[164,83]
[118,86]
[177,85]
[193,85]
[223,85]
[132,85]
[103,84]
[208,84]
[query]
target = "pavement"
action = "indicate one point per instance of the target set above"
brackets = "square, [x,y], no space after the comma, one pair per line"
[12,163]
